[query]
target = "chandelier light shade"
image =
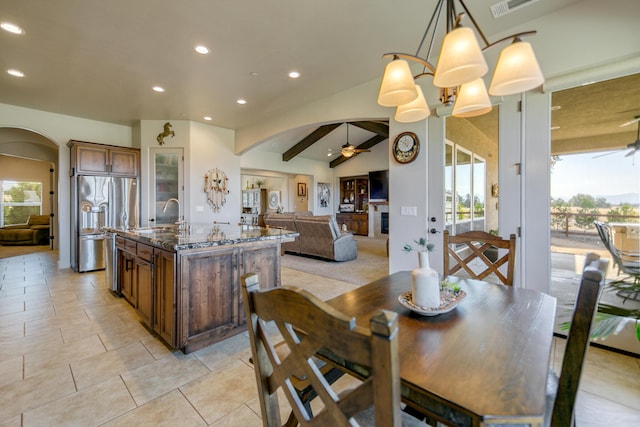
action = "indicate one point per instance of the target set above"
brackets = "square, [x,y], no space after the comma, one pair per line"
[460,60]
[397,85]
[413,111]
[348,151]
[517,70]
[460,68]
[472,100]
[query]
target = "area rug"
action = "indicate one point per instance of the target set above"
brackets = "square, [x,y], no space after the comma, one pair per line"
[372,263]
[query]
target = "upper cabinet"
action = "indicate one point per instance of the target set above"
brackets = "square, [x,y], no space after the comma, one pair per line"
[96,159]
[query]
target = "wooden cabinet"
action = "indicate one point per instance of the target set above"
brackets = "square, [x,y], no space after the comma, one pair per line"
[356,223]
[254,205]
[135,276]
[164,295]
[354,204]
[211,305]
[97,159]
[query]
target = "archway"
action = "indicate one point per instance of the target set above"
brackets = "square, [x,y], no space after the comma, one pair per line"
[39,155]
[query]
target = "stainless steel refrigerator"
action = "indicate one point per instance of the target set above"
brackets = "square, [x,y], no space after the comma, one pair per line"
[100,201]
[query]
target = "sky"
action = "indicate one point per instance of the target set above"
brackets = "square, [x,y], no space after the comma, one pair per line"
[608,175]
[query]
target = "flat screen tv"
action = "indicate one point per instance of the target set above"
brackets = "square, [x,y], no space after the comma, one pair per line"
[379,185]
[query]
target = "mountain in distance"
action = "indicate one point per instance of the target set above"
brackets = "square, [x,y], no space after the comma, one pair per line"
[632,198]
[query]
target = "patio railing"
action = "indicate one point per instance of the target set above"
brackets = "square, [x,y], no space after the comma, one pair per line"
[582,223]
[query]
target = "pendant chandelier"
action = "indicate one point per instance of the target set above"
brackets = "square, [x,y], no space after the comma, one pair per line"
[459,70]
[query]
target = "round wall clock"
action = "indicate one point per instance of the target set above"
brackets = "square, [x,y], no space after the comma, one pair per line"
[406,147]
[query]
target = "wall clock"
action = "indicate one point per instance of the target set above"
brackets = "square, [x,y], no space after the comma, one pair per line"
[406,147]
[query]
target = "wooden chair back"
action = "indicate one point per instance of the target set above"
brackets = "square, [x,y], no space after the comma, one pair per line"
[476,244]
[577,343]
[308,325]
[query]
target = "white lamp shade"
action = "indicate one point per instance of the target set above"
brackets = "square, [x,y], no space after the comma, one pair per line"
[517,70]
[413,111]
[472,100]
[397,86]
[460,60]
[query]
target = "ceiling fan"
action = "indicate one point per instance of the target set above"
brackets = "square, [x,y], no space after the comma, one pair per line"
[349,150]
[634,146]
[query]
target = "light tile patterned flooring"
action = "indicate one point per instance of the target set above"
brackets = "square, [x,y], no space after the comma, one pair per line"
[71,353]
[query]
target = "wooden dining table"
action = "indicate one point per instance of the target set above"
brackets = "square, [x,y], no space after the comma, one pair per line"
[486,361]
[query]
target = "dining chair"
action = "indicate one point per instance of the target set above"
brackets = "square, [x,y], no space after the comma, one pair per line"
[309,325]
[480,255]
[562,390]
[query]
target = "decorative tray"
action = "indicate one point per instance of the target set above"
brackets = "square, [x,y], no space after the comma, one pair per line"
[448,301]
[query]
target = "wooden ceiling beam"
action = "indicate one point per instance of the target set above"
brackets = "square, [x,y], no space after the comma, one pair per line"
[365,145]
[379,128]
[308,141]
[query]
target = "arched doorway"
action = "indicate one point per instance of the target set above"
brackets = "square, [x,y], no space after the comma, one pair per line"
[27,155]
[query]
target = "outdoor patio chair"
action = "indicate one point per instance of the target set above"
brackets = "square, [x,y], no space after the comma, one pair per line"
[479,256]
[308,325]
[628,263]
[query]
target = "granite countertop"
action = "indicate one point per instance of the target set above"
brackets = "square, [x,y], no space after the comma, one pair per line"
[202,235]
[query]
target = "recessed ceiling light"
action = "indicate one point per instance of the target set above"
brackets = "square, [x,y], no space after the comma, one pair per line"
[241,101]
[12,28]
[294,74]
[158,88]
[207,118]
[556,107]
[555,127]
[203,50]
[15,73]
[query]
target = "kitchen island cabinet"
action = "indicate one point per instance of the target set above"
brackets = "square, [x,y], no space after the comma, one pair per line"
[187,289]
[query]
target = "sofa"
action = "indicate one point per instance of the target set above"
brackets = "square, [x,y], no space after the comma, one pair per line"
[34,232]
[320,236]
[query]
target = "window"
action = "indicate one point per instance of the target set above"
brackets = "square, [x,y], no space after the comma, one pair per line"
[18,200]
[465,193]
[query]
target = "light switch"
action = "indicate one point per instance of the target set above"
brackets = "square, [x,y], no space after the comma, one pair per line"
[408,210]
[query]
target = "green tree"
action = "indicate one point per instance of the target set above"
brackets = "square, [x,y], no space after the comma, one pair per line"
[560,208]
[585,201]
[624,209]
[29,193]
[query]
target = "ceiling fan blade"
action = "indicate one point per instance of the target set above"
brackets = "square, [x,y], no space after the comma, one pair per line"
[605,154]
[630,122]
[631,153]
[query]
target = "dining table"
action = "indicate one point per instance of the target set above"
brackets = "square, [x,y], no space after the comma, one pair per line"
[483,362]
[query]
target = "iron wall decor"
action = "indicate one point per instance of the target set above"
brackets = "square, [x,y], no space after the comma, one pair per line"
[216,186]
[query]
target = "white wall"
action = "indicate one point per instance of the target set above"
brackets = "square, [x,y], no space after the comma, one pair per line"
[60,129]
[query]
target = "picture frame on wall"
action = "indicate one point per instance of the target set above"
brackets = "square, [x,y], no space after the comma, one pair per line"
[324,194]
[302,189]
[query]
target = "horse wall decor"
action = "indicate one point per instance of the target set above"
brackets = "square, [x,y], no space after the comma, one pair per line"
[165,133]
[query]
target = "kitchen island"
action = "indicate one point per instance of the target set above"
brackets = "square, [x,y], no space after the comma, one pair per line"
[186,287]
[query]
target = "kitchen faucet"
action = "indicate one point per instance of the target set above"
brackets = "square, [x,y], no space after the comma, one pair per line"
[182,224]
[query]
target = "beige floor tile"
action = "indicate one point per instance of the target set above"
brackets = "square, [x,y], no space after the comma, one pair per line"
[219,393]
[240,417]
[11,307]
[62,354]
[90,407]
[14,347]
[79,330]
[157,348]
[25,316]
[170,410]
[155,379]
[56,322]
[12,422]
[127,334]
[11,332]
[594,411]
[11,370]
[33,392]
[219,355]
[101,367]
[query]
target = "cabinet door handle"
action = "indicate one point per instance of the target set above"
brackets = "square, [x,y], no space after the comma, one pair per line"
[127,265]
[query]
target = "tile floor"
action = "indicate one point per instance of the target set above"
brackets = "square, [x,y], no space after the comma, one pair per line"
[71,353]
